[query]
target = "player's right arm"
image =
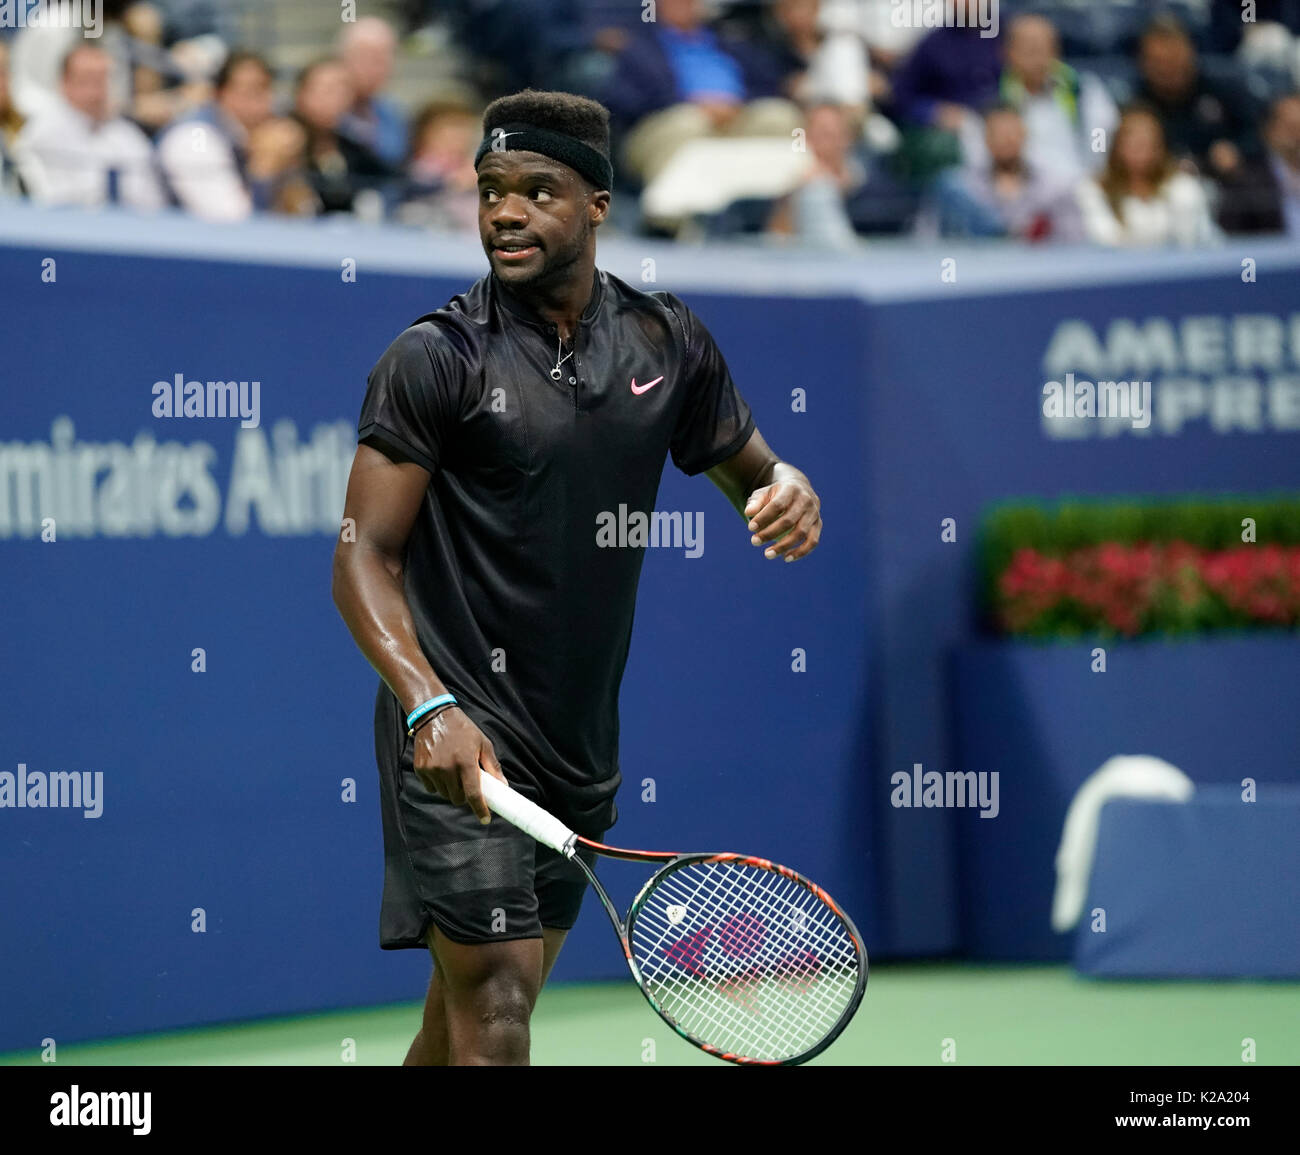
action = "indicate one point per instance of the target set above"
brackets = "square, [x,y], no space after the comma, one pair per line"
[383,499]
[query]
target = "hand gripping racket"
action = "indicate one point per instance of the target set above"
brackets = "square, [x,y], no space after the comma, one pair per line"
[746,959]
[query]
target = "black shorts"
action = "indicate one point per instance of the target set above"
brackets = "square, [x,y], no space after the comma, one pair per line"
[475,883]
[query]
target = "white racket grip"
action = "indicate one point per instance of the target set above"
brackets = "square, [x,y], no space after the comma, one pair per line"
[528,816]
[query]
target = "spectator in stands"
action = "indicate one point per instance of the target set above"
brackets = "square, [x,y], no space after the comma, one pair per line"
[1062,110]
[1264,197]
[939,89]
[676,81]
[367,49]
[1142,198]
[788,54]
[39,51]
[78,152]
[131,35]
[443,190]
[338,168]
[951,72]
[1208,121]
[1006,193]
[233,157]
[844,195]
[205,157]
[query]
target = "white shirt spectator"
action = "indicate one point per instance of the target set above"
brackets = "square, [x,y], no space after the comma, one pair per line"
[37,55]
[199,164]
[66,158]
[1179,214]
[1054,142]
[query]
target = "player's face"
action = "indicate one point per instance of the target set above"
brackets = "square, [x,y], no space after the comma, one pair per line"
[535,217]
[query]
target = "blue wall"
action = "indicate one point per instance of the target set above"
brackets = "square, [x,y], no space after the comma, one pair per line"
[223,789]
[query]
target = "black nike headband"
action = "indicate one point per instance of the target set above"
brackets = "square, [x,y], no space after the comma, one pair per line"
[518,136]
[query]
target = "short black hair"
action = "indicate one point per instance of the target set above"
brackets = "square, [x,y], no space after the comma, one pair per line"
[236,60]
[576,116]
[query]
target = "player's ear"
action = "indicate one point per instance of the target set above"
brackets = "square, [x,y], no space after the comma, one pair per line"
[598,206]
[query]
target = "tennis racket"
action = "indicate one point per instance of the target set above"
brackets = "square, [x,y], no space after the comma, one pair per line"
[746,959]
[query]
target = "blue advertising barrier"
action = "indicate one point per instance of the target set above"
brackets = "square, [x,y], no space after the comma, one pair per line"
[178,637]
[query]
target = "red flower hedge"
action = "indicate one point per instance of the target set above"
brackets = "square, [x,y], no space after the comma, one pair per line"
[1144,587]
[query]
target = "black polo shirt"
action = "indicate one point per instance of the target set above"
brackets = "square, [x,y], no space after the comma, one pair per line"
[521,610]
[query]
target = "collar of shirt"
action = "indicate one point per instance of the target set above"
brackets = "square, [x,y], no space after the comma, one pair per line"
[518,307]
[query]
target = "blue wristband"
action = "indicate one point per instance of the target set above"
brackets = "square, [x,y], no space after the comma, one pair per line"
[424,707]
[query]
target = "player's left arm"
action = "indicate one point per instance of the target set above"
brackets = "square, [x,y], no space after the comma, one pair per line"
[776,499]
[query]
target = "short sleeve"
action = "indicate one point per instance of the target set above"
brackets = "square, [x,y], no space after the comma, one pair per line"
[715,422]
[412,398]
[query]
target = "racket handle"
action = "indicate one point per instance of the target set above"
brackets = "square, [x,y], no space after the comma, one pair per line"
[527,815]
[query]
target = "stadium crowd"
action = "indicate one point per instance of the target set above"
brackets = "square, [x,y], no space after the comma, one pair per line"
[819,122]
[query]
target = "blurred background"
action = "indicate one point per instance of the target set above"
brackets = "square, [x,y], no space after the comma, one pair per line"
[998,125]
[1019,293]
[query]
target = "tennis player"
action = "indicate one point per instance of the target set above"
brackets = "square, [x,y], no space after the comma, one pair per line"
[494,434]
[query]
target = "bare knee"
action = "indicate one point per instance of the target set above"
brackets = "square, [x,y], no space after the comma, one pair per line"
[489,1020]
[503,1001]
[488,993]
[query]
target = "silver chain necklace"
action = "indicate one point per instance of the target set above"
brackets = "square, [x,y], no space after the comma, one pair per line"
[559,345]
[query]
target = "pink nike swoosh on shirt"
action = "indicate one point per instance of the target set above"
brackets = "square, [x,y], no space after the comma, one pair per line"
[639,389]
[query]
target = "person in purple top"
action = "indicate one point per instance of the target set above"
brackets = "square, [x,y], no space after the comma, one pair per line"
[952,71]
[948,78]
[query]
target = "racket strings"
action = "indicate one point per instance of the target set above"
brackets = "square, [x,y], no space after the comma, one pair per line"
[745,959]
[754,996]
[779,1036]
